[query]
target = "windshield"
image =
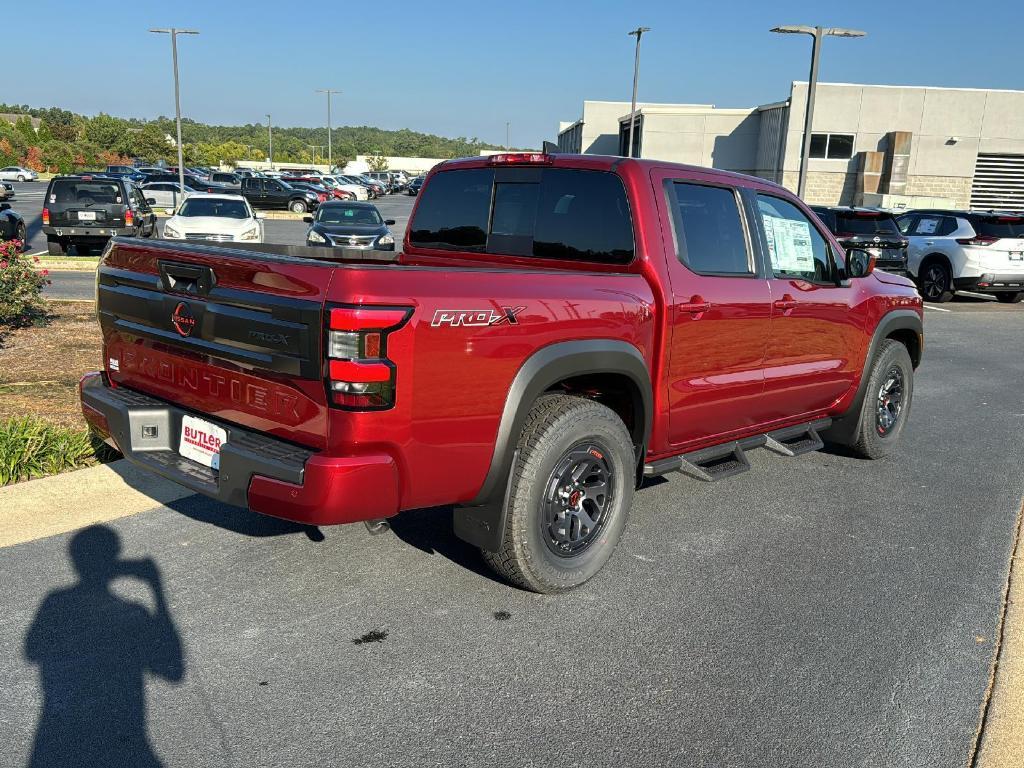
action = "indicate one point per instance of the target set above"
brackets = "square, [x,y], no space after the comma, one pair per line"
[861,224]
[205,206]
[341,214]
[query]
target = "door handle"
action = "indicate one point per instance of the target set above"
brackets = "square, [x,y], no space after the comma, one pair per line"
[785,305]
[696,306]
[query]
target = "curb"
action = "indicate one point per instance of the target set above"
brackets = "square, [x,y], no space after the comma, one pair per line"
[53,505]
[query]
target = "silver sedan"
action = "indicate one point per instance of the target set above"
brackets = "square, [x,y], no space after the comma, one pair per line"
[16,173]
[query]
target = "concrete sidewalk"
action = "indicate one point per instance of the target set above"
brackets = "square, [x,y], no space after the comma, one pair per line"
[1001,735]
[52,505]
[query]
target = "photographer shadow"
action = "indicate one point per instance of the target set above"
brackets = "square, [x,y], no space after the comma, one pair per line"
[94,650]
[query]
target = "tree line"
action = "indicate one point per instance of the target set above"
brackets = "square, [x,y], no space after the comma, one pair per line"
[66,142]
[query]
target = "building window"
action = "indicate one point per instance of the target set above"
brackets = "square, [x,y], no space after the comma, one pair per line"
[832,146]
[638,130]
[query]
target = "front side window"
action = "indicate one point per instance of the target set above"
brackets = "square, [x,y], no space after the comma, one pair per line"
[796,249]
[710,238]
[832,146]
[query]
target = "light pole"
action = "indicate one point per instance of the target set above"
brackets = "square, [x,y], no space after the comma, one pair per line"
[330,149]
[818,33]
[174,32]
[270,143]
[508,134]
[638,33]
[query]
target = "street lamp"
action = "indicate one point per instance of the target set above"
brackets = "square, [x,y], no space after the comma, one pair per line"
[174,32]
[508,134]
[270,143]
[818,33]
[638,33]
[330,152]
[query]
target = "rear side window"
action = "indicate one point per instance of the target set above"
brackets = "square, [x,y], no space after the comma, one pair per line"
[710,238]
[936,226]
[1000,226]
[75,192]
[866,224]
[550,213]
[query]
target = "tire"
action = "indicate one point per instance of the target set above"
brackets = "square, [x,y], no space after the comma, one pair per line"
[935,282]
[21,179]
[876,436]
[562,435]
[297,206]
[55,247]
[21,234]
[1010,297]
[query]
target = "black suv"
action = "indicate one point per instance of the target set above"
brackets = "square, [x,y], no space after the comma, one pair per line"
[86,211]
[870,230]
[272,193]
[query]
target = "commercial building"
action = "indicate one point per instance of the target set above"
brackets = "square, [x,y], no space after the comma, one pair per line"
[894,146]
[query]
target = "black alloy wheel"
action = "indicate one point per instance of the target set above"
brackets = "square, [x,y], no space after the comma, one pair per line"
[577,497]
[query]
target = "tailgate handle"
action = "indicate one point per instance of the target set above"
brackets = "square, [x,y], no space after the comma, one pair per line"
[195,279]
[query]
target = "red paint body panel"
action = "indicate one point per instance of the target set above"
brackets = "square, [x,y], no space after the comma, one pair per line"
[739,367]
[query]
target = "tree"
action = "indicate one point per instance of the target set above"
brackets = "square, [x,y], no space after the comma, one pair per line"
[377,162]
[25,129]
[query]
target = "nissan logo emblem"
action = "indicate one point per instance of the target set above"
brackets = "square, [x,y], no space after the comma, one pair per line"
[183,319]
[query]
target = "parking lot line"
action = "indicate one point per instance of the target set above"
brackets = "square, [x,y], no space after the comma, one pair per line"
[937,309]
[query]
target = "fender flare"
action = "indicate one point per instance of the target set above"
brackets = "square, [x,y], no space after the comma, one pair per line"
[481,522]
[844,427]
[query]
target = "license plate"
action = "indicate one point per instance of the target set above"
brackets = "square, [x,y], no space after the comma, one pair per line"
[201,441]
[1016,255]
[87,215]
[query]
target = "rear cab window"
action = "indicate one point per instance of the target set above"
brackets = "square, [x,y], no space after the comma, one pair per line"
[564,214]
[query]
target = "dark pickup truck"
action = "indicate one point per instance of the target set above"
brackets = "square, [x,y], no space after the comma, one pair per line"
[273,193]
[556,329]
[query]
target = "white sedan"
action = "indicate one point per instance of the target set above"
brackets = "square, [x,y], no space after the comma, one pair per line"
[166,194]
[221,218]
[16,173]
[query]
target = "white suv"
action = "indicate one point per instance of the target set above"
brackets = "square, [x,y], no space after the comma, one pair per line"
[979,251]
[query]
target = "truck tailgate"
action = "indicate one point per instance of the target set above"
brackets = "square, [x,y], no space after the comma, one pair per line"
[227,333]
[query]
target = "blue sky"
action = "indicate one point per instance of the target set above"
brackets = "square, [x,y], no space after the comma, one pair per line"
[463,68]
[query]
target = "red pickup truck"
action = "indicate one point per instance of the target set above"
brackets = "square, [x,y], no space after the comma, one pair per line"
[556,329]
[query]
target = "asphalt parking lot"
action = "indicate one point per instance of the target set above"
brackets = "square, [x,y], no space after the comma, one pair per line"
[819,611]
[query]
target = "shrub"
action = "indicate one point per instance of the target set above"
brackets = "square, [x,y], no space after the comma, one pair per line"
[21,286]
[31,447]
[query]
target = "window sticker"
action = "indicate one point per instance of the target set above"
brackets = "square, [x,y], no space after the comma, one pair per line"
[927,226]
[789,244]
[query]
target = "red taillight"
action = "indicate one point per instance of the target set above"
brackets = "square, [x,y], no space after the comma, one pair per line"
[359,374]
[521,158]
[129,217]
[977,240]
[46,217]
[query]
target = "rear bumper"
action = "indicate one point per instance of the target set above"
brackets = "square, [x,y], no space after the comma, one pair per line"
[89,233]
[991,283]
[262,473]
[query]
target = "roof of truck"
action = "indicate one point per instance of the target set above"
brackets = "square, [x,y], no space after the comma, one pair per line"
[597,162]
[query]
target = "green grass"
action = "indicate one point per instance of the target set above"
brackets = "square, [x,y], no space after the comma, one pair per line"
[31,447]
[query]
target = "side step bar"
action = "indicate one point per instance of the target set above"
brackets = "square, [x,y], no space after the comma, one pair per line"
[729,459]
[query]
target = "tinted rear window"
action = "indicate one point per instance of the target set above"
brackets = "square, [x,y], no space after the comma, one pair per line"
[860,224]
[75,191]
[1002,226]
[551,213]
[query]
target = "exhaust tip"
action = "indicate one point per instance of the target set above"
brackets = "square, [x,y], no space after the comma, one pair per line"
[376,527]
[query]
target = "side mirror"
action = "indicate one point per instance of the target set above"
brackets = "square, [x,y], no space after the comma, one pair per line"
[169,211]
[151,201]
[859,263]
[308,219]
[389,222]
